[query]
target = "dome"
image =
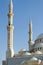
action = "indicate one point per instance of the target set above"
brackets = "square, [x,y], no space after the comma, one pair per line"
[22,50]
[38,52]
[38,45]
[39,41]
[40,36]
[27,53]
[33,58]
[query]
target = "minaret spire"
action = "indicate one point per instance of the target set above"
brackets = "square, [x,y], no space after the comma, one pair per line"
[10,28]
[30,30]
[11,6]
[30,34]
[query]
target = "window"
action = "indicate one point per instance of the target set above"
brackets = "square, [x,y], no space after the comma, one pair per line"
[40,40]
[40,48]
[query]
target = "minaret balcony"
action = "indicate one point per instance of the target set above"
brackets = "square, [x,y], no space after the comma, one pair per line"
[10,14]
[10,27]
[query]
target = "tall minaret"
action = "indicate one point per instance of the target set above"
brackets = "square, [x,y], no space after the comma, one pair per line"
[10,28]
[30,35]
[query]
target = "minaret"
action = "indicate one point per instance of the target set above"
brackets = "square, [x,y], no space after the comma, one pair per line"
[30,35]
[10,28]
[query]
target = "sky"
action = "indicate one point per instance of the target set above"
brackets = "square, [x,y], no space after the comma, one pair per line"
[23,11]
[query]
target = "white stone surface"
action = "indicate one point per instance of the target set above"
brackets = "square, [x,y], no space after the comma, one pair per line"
[10,28]
[38,52]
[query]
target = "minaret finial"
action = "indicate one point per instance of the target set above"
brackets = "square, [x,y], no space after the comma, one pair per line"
[30,34]
[30,21]
[10,13]
[11,7]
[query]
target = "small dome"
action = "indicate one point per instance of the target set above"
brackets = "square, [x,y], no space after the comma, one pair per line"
[27,53]
[22,50]
[40,36]
[38,52]
[33,58]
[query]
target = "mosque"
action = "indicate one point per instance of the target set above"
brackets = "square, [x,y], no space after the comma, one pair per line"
[24,57]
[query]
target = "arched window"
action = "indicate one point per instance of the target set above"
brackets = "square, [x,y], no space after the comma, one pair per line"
[40,48]
[40,40]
